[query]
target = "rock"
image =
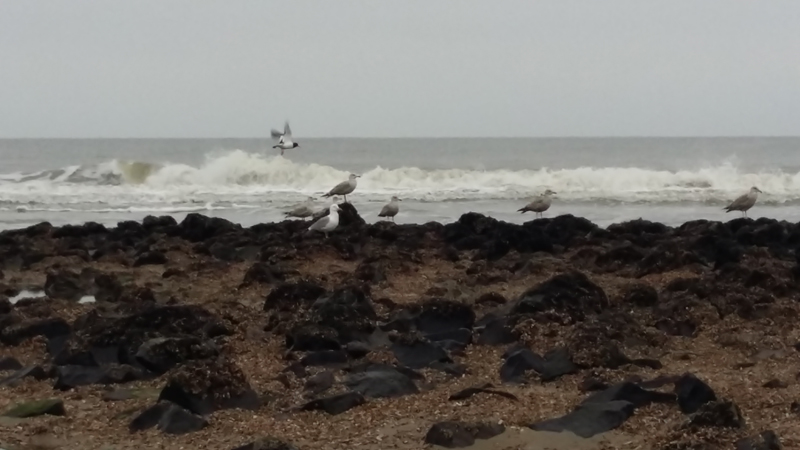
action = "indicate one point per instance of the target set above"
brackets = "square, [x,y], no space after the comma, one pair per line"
[381,381]
[290,296]
[631,393]
[325,358]
[128,394]
[336,404]
[263,273]
[168,418]
[496,331]
[641,295]
[205,386]
[65,285]
[766,440]
[461,434]
[718,414]
[417,354]
[320,382]
[485,388]
[775,384]
[348,310]
[108,288]
[150,258]
[68,377]
[35,372]
[589,419]
[520,360]
[267,444]
[692,393]
[159,355]
[53,407]
[590,384]
[20,332]
[311,337]
[9,363]
[441,315]
[569,293]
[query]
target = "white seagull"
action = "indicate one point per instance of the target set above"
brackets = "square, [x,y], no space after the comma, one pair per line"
[328,223]
[303,210]
[391,209]
[344,188]
[284,139]
[744,202]
[539,205]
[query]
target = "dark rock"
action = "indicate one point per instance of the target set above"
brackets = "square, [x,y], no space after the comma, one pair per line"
[108,288]
[20,332]
[325,358]
[320,382]
[589,419]
[631,393]
[310,337]
[35,372]
[150,258]
[206,386]
[485,388]
[64,284]
[336,404]
[53,407]
[775,384]
[68,377]
[453,340]
[693,393]
[723,414]
[520,360]
[570,293]
[263,273]
[158,223]
[640,295]
[290,296]
[9,363]
[441,315]
[590,384]
[418,354]
[267,444]
[159,355]
[380,381]
[461,434]
[496,331]
[766,440]
[168,418]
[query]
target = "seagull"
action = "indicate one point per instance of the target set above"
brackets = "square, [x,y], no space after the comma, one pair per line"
[328,223]
[344,188]
[744,202]
[391,209]
[284,139]
[302,211]
[539,205]
[324,210]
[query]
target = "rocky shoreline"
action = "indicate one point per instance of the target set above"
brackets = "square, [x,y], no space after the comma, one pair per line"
[206,334]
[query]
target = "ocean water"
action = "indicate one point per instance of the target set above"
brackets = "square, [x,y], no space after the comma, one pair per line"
[606,180]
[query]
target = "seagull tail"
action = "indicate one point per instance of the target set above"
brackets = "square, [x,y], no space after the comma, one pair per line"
[523,210]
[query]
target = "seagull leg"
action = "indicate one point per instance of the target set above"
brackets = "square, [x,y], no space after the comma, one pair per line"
[281,152]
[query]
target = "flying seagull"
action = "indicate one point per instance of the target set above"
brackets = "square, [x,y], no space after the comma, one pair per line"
[328,223]
[284,139]
[744,202]
[344,188]
[539,205]
[391,209]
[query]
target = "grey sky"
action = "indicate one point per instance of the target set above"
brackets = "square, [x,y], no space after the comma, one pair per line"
[155,68]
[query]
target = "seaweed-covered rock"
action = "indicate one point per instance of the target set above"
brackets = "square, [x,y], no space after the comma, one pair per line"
[53,407]
[572,294]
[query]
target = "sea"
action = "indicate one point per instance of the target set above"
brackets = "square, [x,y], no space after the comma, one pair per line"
[606,180]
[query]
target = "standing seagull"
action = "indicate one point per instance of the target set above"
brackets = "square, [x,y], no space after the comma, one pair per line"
[744,202]
[302,211]
[284,139]
[344,188]
[391,209]
[328,223]
[539,205]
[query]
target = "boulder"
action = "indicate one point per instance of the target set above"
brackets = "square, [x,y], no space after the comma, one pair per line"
[336,404]
[168,418]
[418,353]
[35,372]
[693,393]
[159,355]
[572,294]
[723,414]
[519,360]
[381,381]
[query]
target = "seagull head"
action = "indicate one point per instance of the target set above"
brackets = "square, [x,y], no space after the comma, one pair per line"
[395,199]
[754,190]
[295,145]
[334,207]
[549,192]
[354,176]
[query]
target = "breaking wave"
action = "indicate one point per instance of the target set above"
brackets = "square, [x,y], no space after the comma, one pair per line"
[251,178]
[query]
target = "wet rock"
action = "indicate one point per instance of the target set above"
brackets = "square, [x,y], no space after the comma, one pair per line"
[53,407]
[205,386]
[159,355]
[641,295]
[724,414]
[693,393]
[348,310]
[569,293]
[168,418]
[35,372]
[485,388]
[631,393]
[311,337]
[439,315]
[589,419]
[197,227]
[336,404]
[9,363]
[518,361]
[108,288]
[325,358]
[150,258]
[20,332]
[160,223]
[320,382]
[590,384]
[496,330]
[461,434]
[290,296]
[64,284]
[381,381]
[418,354]
[68,377]
[267,443]
[263,273]
[452,340]
[766,440]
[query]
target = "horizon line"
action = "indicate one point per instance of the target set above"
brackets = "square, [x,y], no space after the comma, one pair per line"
[401,137]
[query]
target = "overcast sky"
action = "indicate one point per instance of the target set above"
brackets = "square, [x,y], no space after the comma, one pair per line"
[156,68]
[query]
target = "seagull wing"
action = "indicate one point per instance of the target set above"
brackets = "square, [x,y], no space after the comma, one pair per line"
[389,210]
[320,224]
[286,130]
[740,202]
[340,188]
[275,133]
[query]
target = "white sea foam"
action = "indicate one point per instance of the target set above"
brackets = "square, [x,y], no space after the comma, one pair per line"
[242,178]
